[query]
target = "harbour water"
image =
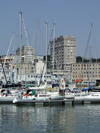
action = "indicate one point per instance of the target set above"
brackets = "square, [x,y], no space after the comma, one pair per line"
[55,119]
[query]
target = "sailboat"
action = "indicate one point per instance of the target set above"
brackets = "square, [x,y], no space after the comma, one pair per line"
[7,95]
[89,94]
[40,93]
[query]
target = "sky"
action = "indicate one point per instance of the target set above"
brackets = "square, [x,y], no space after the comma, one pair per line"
[71,18]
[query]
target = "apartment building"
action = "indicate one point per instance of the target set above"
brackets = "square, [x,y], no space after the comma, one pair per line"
[85,71]
[63,53]
[6,68]
[27,53]
[27,59]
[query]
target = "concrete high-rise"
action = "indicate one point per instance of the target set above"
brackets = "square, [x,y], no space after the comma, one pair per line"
[27,58]
[63,53]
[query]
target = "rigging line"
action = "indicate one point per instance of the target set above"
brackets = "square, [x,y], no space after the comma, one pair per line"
[36,32]
[25,30]
[30,45]
[95,43]
[86,51]
[87,44]
[33,41]
[40,33]
[29,39]
[50,40]
[47,53]
[15,34]
[8,49]
[13,46]
[17,62]
[16,27]
[36,49]
[12,62]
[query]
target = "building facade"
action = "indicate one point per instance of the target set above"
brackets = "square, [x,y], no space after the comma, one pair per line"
[63,53]
[6,68]
[27,59]
[85,71]
[27,53]
[29,67]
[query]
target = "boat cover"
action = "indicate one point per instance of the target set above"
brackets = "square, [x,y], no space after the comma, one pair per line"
[88,88]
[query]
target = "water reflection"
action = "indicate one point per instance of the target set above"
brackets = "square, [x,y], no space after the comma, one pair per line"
[57,119]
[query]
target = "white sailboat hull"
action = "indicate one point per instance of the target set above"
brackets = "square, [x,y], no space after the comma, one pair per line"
[40,97]
[8,99]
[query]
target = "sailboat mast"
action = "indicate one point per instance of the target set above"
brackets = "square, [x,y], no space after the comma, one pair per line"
[90,61]
[46,47]
[26,62]
[91,53]
[12,61]
[36,50]
[53,46]
[20,40]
